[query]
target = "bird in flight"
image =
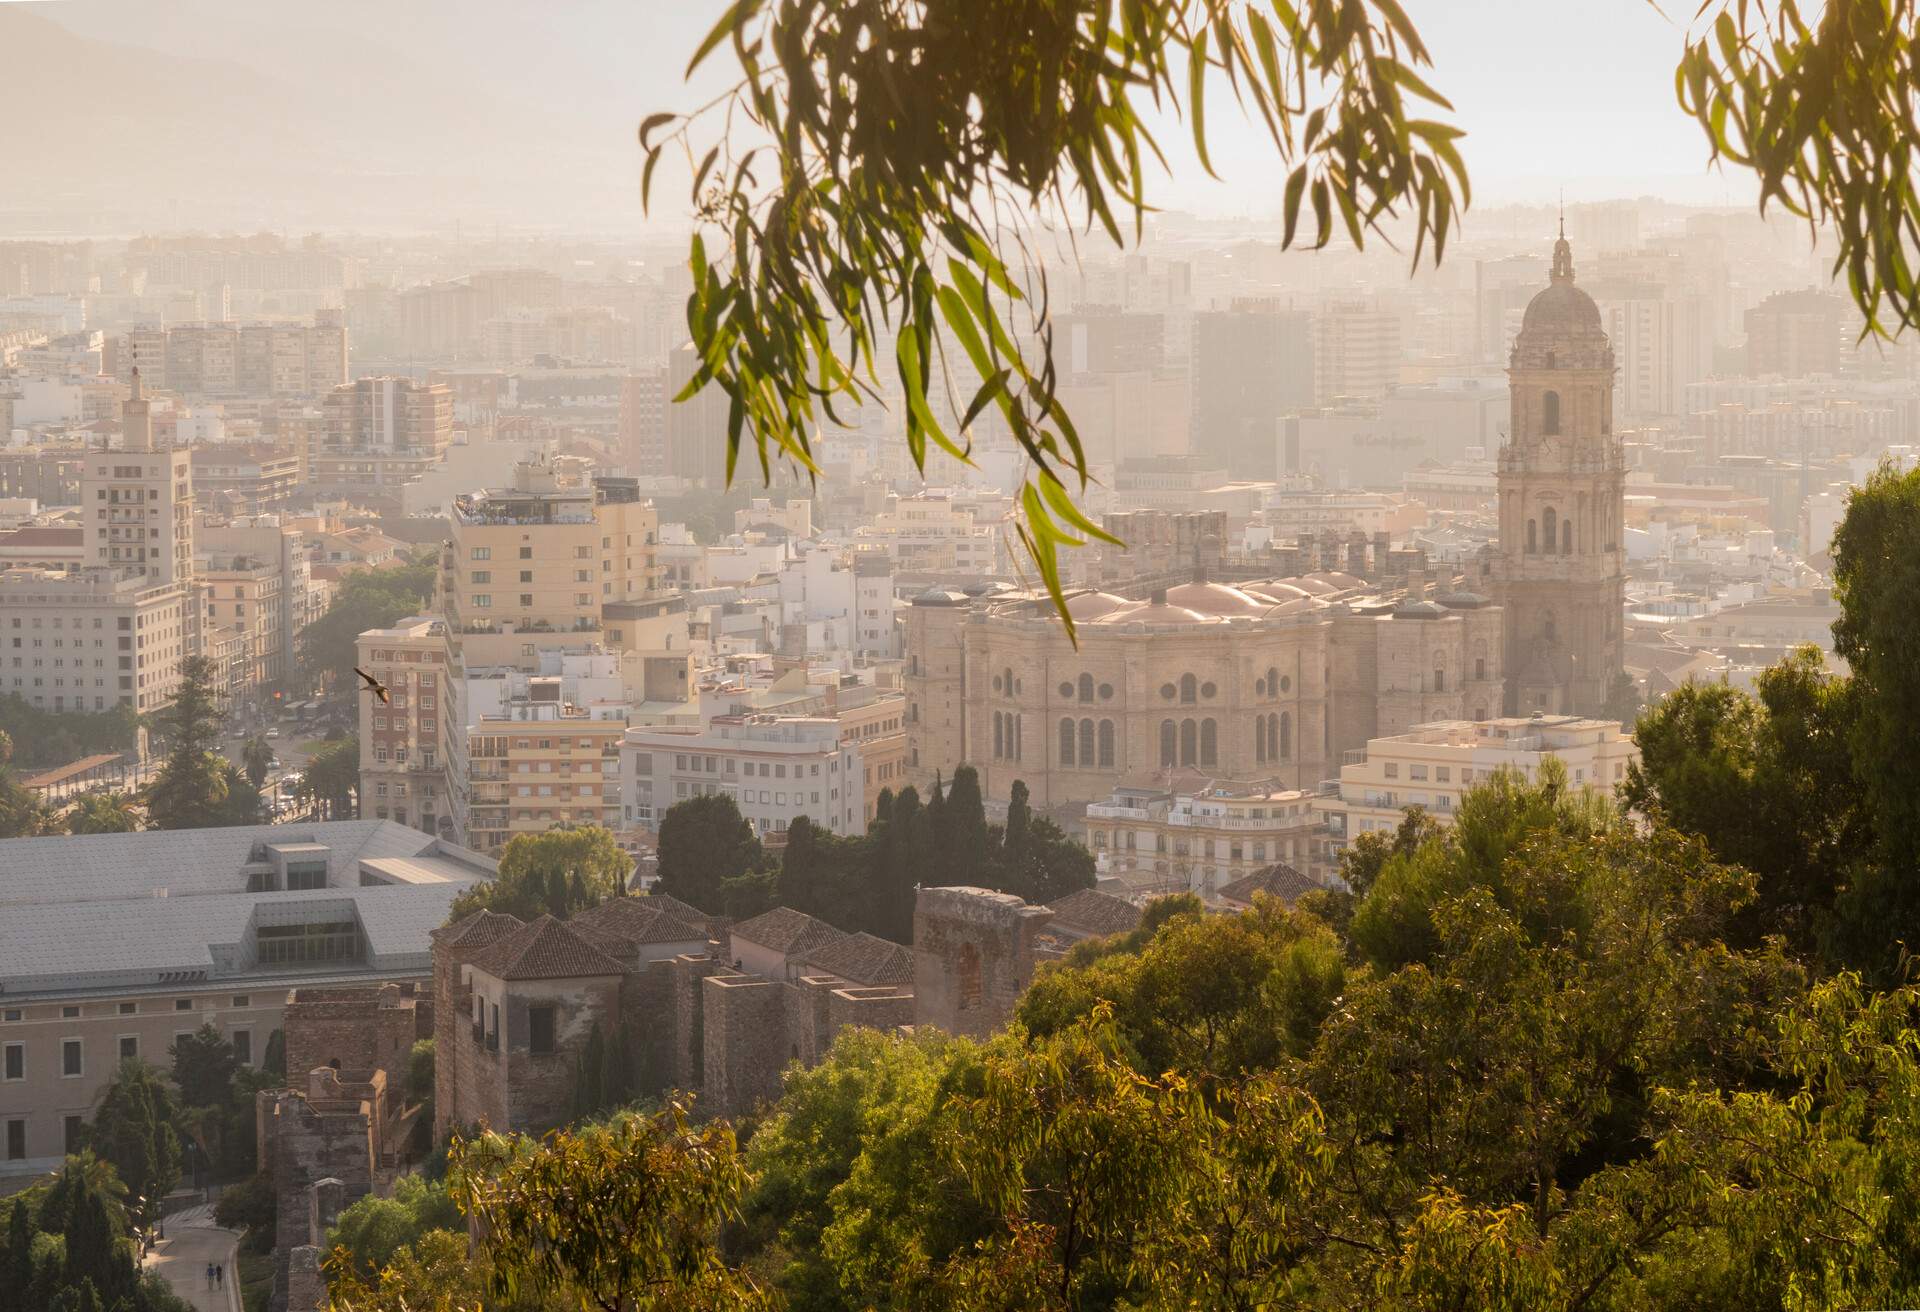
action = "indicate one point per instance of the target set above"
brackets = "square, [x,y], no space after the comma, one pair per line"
[379,688]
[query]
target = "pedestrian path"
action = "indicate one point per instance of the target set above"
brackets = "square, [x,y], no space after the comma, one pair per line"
[181,1259]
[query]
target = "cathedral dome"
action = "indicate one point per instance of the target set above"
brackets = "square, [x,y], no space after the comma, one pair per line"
[1562,309]
[1562,327]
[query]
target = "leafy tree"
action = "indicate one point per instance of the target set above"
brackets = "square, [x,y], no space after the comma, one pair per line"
[373,1229]
[860,1110]
[48,738]
[133,1130]
[103,813]
[203,1066]
[704,843]
[332,778]
[22,815]
[366,599]
[1623,700]
[20,1232]
[1767,781]
[190,791]
[256,757]
[556,874]
[252,1206]
[661,1189]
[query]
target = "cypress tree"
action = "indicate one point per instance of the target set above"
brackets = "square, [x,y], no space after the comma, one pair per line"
[19,1268]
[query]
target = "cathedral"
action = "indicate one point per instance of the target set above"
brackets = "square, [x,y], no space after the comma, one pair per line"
[1561,566]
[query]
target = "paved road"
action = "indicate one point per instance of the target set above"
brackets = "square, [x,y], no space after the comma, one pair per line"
[181,1259]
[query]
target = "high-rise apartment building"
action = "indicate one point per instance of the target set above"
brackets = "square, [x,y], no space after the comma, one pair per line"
[643,423]
[255,581]
[1795,334]
[1356,353]
[1252,364]
[116,630]
[540,762]
[380,432]
[543,558]
[696,428]
[413,746]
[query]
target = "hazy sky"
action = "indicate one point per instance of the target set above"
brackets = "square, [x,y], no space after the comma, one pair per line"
[527,110]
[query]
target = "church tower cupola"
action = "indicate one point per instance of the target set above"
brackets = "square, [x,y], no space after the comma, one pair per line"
[1561,566]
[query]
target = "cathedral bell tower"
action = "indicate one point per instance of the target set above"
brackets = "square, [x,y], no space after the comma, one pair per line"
[1561,568]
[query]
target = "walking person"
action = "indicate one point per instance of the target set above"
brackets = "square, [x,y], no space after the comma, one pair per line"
[220,1276]
[209,1275]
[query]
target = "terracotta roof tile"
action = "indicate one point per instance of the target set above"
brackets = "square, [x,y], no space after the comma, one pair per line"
[545,949]
[476,930]
[1281,881]
[634,920]
[1095,912]
[786,931]
[864,959]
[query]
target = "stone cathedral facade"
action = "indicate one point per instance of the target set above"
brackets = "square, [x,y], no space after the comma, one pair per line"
[1561,565]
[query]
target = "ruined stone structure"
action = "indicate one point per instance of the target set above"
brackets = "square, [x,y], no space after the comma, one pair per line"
[717,1011]
[326,1146]
[1561,565]
[355,1029]
[341,1133]
[973,956]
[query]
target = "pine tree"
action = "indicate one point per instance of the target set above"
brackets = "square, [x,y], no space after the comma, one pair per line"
[191,790]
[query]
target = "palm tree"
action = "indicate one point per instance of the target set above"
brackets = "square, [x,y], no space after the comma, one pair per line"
[103,813]
[256,757]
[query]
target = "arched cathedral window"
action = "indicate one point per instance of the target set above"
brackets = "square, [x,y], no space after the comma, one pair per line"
[1550,414]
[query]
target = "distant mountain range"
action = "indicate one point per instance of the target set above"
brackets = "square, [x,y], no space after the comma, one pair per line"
[405,114]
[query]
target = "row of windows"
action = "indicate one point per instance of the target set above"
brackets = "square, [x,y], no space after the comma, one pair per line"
[1189,742]
[1006,736]
[1080,742]
[73,1063]
[72,1010]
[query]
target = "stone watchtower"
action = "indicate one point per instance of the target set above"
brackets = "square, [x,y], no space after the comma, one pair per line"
[1561,569]
[973,956]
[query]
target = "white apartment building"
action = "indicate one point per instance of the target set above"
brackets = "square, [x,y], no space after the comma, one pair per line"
[774,767]
[930,531]
[1432,765]
[115,630]
[845,601]
[1200,835]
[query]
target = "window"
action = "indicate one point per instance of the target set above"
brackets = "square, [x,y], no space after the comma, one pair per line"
[16,1141]
[526,553]
[242,1046]
[483,553]
[1086,687]
[1086,742]
[183,1004]
[16,1061]
[129,1008]
[1549,527]
[13,1013]
[1533,544]
[1189,743]
[1167,739]
[1393,770]
[1417,772]
[70,1013]
[1066,742]
[540,1029]
[1106,742]
[483,576]
[1550,420]
[1189,689]
[129,1046]
[1209,743]
[70,1064]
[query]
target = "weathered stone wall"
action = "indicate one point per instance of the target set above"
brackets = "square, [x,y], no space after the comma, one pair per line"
[354,1029]
[973,956]
[685,1046]
[316,1138]
[541,1087]
[462,1070]
[880,1008]
[745,1042]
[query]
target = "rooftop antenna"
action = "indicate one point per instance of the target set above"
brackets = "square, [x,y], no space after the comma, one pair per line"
[1563,213]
